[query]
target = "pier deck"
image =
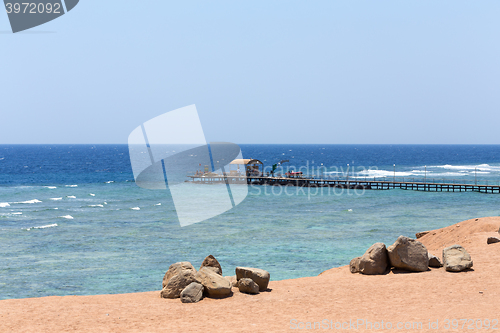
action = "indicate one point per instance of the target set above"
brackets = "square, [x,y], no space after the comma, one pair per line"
[349,183]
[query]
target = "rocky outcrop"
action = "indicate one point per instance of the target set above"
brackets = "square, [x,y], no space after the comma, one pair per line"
[374,261]
[259,276]
[174,269]
[248,286]
[215,285]
[408,254]
[493,240]
[193,293]
[210,261]
[456,259]
[434,261]
[177,283]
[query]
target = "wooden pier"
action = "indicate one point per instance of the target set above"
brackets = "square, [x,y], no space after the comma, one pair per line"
[347,183]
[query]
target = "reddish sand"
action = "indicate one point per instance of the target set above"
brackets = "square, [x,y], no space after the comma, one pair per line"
[334,297]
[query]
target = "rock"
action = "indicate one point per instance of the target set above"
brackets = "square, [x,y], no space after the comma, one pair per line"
[192,293]
[492,240]
[210,261]
[354,265]
[499,230]
[408,254]
[434,261]
[215,285]
[456,259]
[247,286]
[374,261]
[174,269]
[177,283]
[259,276]
[214,269]
[420,234]
[232,279]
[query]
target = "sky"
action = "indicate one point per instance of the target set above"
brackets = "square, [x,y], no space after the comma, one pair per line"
[300,72]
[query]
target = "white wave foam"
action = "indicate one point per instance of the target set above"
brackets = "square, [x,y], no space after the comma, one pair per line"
[381,173]
[71,185]
[51,187]
[349,210]
[96,205]
[4,204]
[135,208]
[109,182]
[71,196]
[92,194]
[479,167]
[55,199]
[105,203]
[158,204]
[44,226]
[29,201]
[69,217]
[18,213]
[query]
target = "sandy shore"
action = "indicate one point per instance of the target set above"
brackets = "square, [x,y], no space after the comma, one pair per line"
[335,297]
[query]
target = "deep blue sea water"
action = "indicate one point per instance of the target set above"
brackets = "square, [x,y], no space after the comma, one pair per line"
[73,222]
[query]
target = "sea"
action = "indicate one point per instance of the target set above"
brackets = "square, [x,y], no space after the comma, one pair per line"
[73,221]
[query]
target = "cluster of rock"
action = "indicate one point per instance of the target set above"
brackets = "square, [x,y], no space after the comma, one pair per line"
[184,282]
[409,255]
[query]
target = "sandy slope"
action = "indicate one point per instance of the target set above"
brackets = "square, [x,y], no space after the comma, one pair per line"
[335,297]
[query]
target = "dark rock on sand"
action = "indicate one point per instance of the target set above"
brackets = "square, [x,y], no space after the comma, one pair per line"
[374,261]
[434,261]
[210,261]
[177,283]
[259,276]
[492,240]
[456,259]
[192,293]
[174,269]
[408,254]
[215,285]
[248,286]
[354,265]
[420,234]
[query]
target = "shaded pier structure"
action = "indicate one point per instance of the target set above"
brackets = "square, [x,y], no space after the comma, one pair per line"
[346,183]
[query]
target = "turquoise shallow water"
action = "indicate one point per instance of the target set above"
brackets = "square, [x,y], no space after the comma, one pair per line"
[98,242]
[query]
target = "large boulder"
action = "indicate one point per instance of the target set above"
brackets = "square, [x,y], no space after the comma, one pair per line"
[434,261]
[374,261]
[210,261]
[174,269]
[493,240]
[192,293]
[247,286]
[259,276]
[215,285]
[456,259]
[177,283]
[408,254]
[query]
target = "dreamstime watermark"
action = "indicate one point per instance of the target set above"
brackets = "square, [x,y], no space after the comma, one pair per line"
[26,14]
[379,325]
[166,148]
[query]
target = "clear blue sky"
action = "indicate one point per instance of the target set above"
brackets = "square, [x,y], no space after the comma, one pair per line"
[258,71]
